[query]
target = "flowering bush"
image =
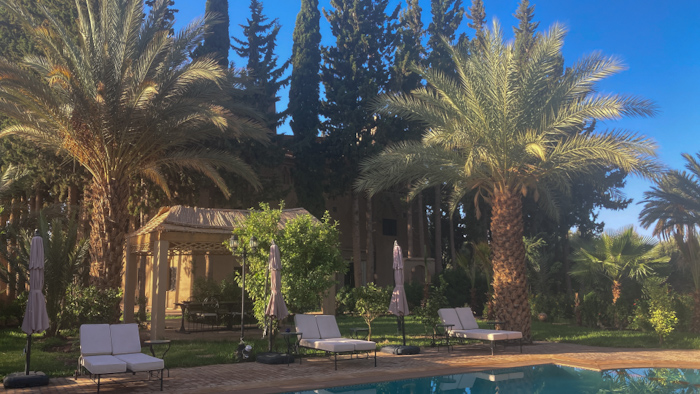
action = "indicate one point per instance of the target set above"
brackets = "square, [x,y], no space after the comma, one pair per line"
[661,314]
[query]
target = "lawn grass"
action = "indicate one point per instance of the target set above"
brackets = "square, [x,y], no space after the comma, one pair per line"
[59,356]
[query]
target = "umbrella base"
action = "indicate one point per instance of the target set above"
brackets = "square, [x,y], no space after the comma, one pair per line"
[400,350]
[274,358]
[20,379]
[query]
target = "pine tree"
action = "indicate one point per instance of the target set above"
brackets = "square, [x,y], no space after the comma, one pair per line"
[355,70]
[447,17]
[264,77]
[217,41]
[477,15]
[169,17]
[525,32]
[304,107]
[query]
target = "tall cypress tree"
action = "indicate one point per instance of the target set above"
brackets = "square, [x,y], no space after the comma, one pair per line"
[217,41]
[525,31]
[447,16]
[304,107]
[355,70]
[264,77]
[477,15]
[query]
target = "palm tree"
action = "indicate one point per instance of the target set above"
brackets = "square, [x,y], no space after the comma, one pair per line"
[509,129]
[673,203]
[123,99]
[618,255]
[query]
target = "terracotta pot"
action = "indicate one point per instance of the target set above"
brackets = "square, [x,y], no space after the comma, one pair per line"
[542,316]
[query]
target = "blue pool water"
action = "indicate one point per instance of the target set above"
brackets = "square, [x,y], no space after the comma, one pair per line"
[540,379]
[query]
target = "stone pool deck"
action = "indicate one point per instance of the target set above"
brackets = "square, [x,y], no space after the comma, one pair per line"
[318,372]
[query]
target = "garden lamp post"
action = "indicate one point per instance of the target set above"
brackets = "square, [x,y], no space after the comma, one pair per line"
[242,250]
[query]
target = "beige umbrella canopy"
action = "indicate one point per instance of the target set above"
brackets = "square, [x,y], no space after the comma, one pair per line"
[399,304]
[35,318]
[276,308]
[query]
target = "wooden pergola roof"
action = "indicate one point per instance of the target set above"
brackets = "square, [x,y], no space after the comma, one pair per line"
[192,229]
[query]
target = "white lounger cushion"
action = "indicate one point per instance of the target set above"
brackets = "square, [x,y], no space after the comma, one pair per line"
[306,325]
[139,362]
[125,338]
[360,345]
[484,335]
[328,345]
[102,364]
[327,327]
[466,317]
[449,316]
[94,340]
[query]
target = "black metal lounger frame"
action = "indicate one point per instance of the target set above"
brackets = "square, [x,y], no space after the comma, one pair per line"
[92,376]
[335,355]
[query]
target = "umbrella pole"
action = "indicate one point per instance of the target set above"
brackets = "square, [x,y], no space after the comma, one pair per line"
[29,353]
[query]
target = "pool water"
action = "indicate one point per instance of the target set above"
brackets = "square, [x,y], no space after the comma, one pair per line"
[540,379]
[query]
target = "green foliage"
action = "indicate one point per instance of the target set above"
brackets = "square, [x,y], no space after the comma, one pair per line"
[304,107]
[345,300]
[217,42]
[65,257]
[427,313]
[414,294]
[447,17]
[457,287]
[683,305]
[556,306]
[371,302]
[264,77]
[310,255]
[90,305]
[662,317]
[639,319]
[226,290]
[594,310]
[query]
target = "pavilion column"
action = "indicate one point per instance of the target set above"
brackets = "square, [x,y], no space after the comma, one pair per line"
[159,288]
[130,279]
[208,269]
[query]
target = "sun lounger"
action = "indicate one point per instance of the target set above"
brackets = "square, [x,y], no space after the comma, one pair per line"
[320,332]
[460,324]
[109,349]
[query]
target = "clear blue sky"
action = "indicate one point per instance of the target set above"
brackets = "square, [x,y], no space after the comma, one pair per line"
[658,40]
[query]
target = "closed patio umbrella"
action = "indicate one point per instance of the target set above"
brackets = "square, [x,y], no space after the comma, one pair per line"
[276,308]
[36,319]
[399,305]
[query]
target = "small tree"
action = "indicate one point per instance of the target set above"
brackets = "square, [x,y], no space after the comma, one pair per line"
[372,302]
[310,253]
[661,314]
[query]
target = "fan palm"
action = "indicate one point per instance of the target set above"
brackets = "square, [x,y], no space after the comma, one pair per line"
[618,255]
[673,203]
[507,128]
[124,100]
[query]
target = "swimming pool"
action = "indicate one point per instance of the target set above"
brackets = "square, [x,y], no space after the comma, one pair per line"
[540,379]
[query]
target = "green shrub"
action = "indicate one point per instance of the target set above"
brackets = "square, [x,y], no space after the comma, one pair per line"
[556,306]
[457,287]
[90,305]
[595,311]
[683,305]
[639,320]
[345,300]
[661,314]
[427,313]
[203,288]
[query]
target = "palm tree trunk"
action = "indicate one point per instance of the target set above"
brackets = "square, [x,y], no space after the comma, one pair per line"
[438,230]
[356,251]
[616,291]
[510,293]
[409,226]
[370,240]
[696,312]
[109,225]
[453,251]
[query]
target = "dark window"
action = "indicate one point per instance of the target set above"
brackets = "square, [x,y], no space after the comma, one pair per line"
[389,227]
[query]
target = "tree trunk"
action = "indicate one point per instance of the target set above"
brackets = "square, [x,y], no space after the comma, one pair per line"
[438,230]
[370,241]
[695,327]
[510,293]
[356,251]
[567,265]
[616,291]
[421,227]
[109,225]
[453,249]
[409,226]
